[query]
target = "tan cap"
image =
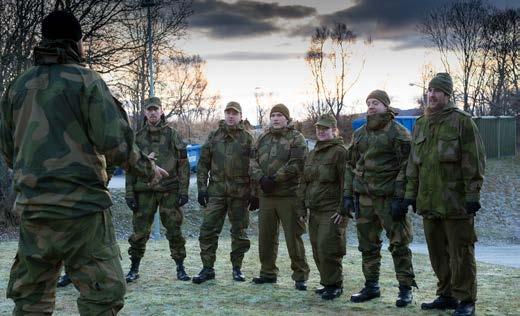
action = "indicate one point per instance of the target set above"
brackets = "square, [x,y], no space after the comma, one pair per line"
[152,102]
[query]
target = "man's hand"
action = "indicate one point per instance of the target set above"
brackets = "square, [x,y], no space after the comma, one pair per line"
[132,203]
[410,202]
[203,198]
[397,209]
[348,206]
[472,208]
[254,203]
[337,218]
[267,184]
[183,199]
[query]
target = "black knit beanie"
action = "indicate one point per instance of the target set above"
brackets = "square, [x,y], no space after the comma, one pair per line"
[61,25]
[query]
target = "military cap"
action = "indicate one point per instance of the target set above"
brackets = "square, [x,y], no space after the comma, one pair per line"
[234,105]
[152,102]
[443,82]
[327,120]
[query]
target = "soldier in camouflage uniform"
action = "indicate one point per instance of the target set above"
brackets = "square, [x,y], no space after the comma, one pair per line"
[445,173]
[224,161]
[59,125]
[169,195]
[321,189]
[377,157]
[276,166]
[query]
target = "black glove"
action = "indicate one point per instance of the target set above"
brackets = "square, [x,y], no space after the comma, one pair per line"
[397,209]
[348,206]
[183,199]
[408,202]
[254,203]
[132,203]
[203,198]
[472,208]
[267,184]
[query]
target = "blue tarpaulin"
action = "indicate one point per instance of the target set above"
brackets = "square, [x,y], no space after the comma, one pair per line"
[406,121]
[193,156]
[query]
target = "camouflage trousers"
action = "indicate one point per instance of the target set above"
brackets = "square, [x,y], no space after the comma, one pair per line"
[171,218]
[328,247]
[88,247]
[214,216]
[274,210]
[374,216]
[451,246]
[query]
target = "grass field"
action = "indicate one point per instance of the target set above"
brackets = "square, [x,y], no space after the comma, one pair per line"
[157,292]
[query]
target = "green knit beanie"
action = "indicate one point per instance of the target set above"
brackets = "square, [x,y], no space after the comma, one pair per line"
[282,109]
[380,95]
[443,82]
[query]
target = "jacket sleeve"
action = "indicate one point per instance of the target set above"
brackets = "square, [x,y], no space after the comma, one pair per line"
[341,164]
[294,166]
[473,159]
[412,170]
[183,165]
[110,132]
[204,165]
[255,171]
[6,129]
[402,152]
[350,165]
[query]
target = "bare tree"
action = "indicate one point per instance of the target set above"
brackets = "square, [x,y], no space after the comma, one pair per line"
[263,100]
[330,61]
[457,29]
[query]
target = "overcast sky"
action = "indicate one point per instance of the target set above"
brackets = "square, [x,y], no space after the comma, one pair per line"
[260,46]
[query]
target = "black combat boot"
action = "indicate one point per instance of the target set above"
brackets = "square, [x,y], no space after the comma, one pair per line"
[181,273]
[465,308]
[300,285]
[262,280]
[441,302]
[370,291]
[238,275]
[64,280]
[332,292]
[204,275]
[133,274]
[405,296]
[320,290]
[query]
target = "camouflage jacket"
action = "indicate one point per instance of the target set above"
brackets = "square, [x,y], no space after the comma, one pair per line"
[279,153]
[446,164]
[170,153]
[377,156]
[59,126]
[224,159]
[321,186]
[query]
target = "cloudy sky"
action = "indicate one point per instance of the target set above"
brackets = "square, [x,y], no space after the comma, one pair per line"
[260,46]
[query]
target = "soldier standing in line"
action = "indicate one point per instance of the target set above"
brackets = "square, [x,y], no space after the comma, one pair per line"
[321,189]
[445,173]
[376,166]
[276,166]
[169,195]
[59,125]
[224,161]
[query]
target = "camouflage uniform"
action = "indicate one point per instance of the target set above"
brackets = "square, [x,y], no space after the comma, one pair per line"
[377,157]
[446,170]
[59,125]
[280,153]
[322,190]
[171,155]
[224,159]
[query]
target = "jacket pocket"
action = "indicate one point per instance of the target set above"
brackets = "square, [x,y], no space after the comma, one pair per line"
[448,148]
[417,149]
[327,172]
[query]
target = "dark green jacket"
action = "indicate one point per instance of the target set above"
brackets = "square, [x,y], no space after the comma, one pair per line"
[224,161]
[446,165]
[377,156]
[59,126]
[279,153]
[170,153]
[323,176]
